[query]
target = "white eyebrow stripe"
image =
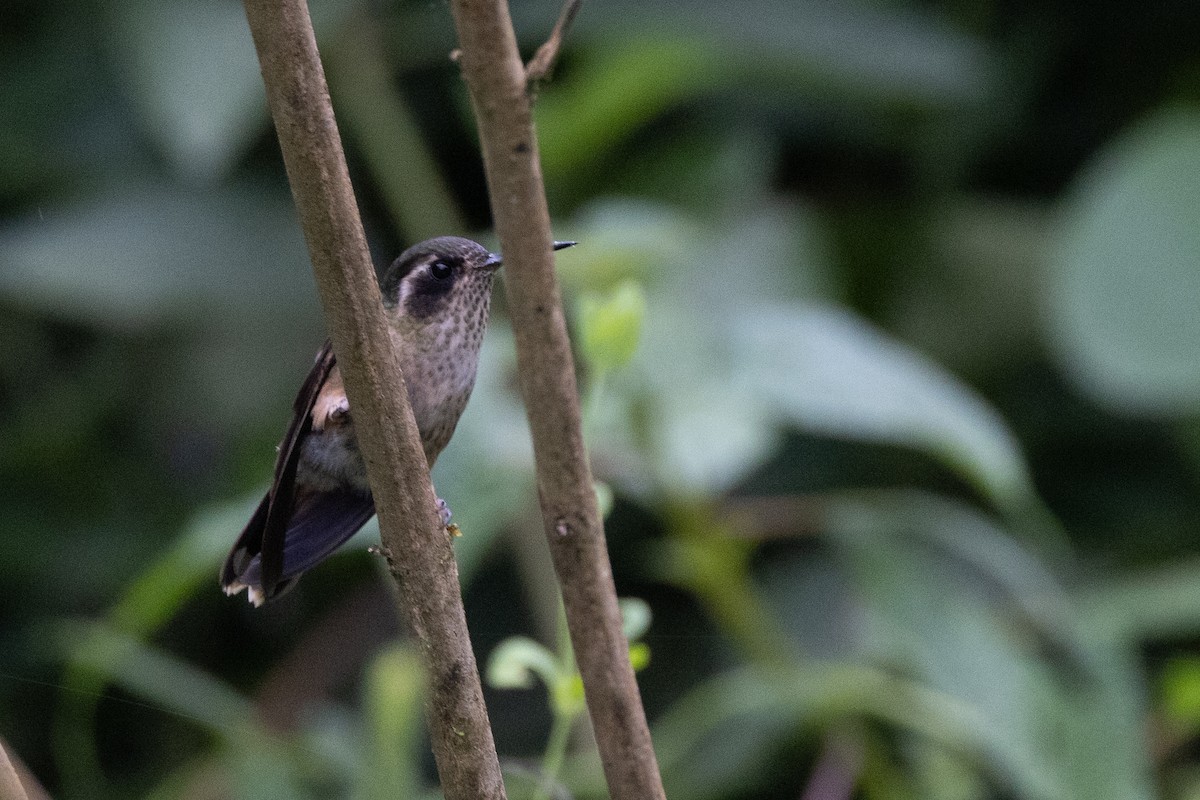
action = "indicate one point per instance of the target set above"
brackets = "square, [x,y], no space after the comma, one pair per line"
[406,281]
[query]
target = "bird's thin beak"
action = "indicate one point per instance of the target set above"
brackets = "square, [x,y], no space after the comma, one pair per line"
[495,260]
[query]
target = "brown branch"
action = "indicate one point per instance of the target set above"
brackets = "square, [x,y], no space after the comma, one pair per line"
[542,64]
[495,77]
[427,575]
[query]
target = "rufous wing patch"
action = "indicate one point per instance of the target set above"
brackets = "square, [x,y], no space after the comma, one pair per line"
[331,406]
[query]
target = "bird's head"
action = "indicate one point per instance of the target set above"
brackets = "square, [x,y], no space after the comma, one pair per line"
[437,275]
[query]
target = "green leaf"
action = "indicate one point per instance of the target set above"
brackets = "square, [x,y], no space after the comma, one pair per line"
[193,76]
[1181,689]
[609,327]
[639,656]
[377,119]
[605,499]
[567,695]
[783,51]
[723,735]
[515,662]
[708,429]
[625,240]
[1124,282]
[1061,704]
[1162,603]
[974,542]
[156,676]
[149,253]
[829,372]
[635,617]
[623,88]
[394,689]
[263,768]
[169,581]
[679,410]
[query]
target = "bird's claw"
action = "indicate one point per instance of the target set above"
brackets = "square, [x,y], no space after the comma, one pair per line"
[444,512]
[381,550]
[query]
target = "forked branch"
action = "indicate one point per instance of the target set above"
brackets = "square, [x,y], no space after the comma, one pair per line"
[498,84]
[542,64]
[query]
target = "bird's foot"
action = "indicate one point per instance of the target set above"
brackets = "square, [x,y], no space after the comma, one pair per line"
[381,550]
[444,512]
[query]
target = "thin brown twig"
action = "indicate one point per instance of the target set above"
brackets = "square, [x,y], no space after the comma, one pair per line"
[571,519]
[542,64]
[427,576]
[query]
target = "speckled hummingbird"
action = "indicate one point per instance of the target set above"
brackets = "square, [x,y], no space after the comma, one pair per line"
[436,297]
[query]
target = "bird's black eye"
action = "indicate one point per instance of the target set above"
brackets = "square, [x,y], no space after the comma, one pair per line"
[440,270]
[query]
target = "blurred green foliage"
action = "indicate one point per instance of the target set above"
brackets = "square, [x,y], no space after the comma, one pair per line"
[887,335]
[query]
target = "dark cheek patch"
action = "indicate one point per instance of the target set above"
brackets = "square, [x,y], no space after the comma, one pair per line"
[428,296]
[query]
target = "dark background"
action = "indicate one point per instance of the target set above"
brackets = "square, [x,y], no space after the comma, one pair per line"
[905,463]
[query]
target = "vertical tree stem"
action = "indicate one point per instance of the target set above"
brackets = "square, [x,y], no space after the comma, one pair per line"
[424,564]
[496,79]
